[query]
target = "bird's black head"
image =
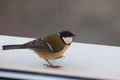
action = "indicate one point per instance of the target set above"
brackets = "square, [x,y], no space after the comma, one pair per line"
[67,36]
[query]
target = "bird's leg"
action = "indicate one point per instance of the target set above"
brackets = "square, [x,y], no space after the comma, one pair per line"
[60,57]
[50,65]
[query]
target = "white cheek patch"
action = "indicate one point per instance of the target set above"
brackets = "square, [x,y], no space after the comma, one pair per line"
[67,40]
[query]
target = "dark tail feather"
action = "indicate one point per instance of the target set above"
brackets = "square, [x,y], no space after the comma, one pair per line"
[7,47]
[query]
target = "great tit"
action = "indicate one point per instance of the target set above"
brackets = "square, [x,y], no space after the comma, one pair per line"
[52,46]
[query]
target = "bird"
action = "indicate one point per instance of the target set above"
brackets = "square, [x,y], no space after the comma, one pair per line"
[49,47]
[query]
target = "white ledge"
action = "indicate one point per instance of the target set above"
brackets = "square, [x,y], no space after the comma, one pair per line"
[81,60]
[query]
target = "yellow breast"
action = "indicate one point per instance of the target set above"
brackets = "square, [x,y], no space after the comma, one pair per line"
[49,55]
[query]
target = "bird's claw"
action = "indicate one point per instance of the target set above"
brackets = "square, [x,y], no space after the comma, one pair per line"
[52,66]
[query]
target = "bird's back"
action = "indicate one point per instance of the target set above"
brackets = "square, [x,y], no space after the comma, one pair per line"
[55,42]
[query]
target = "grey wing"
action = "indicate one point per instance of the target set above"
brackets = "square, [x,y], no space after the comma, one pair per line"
[39,44]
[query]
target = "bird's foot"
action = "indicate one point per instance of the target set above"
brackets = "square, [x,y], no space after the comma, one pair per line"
[52,66]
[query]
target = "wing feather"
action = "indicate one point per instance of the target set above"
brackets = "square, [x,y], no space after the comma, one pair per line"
[39,44]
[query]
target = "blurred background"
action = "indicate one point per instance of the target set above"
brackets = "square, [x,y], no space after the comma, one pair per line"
[94,21]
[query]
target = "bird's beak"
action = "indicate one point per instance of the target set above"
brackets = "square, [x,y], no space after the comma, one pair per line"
[74,35]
